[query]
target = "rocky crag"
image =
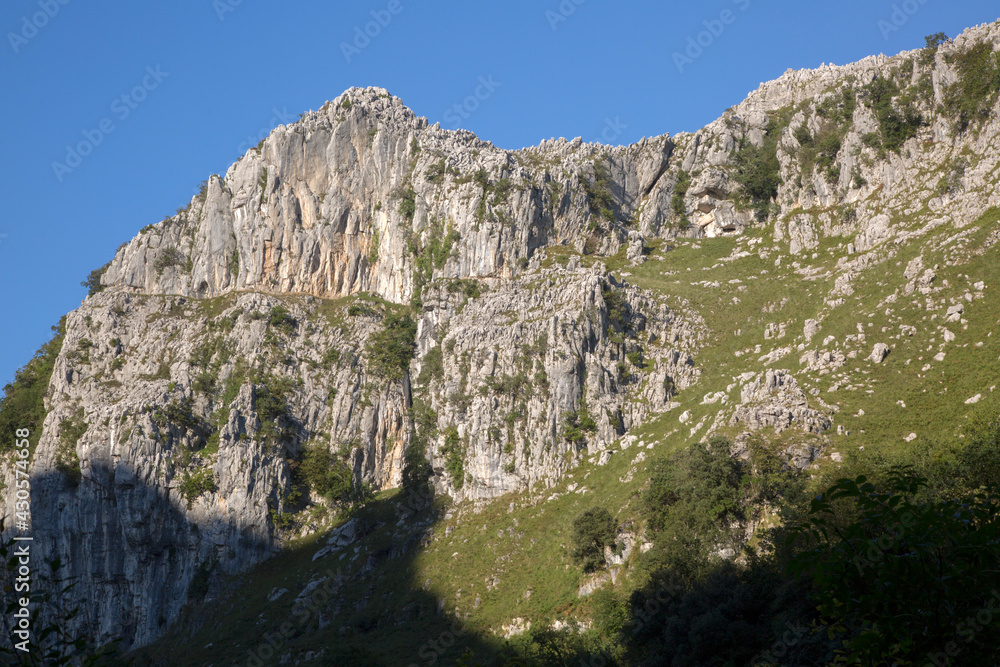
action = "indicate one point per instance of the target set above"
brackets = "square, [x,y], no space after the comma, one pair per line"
[262,320]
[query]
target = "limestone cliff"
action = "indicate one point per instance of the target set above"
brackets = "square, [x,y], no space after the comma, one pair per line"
[245,328]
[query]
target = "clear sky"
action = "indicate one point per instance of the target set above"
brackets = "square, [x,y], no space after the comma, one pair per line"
[153,97]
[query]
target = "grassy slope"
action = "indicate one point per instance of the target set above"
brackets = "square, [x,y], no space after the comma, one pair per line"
[510,558]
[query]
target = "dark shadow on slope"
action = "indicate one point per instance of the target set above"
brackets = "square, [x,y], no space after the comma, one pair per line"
[129,550]
[356,605]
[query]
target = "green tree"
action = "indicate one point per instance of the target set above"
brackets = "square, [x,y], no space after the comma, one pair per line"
[897,575]
[391,349]
[327,475]
[593,530]
[23,402]
[758,171]
[692,499]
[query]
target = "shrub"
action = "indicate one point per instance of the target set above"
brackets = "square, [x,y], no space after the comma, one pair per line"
[202,191]
[690,502]
[895,572]
[271,405]
[468,286]
[802,135]
[433,366]
[435,173]
[577,423]
[325,474]
[598,192]
[930,50]
[373,250]
[70,432]
[758,171]
[361,309]
[170,256]
[593,530]
[971,98]
[198,587]
[197,483]
[408,204]
[391,349]
[617,308]
[93,281]
[330,358]
[454,456]
[180,415]
[677,200]
[501,191]
[282,320]
[896,126]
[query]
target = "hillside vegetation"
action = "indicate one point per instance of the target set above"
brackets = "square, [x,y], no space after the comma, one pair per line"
[724,398]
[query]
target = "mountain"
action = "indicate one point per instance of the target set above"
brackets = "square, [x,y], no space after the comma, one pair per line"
[366,301]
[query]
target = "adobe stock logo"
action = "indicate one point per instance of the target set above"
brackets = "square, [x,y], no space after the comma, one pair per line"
[900,16]
[122,107]
[279,117]
[459,112]
[698,44]
[30,25]
[566,9]
[363,37]
[612,130]
[223,7]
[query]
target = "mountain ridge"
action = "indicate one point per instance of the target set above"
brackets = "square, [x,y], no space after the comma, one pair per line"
[366,284]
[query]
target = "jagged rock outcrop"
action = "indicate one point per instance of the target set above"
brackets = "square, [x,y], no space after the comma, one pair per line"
[241,330]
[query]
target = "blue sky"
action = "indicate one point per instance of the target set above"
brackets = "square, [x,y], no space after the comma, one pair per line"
[161,95]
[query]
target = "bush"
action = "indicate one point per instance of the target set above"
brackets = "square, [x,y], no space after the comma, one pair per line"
[435,173]
[70,432]
[900,575]
[468,286]
[896,126]
[326,474]
[618,308]
[169,257]
[23,402]
[433,366]
[930,50]
[576,424]
[593,530]
[270,402]
[202,191]
[197,483]
[361,309]
[691,500]
[391,349]
[972,97]
[454,456]
[181,416]
[282,320]
[802,135]
[93,281]
[598,192]
[408,204]
[758,171]
[677,200]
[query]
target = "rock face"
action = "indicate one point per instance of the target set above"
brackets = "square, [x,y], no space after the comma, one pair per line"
[333,205]
[775,400]
[252,325]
